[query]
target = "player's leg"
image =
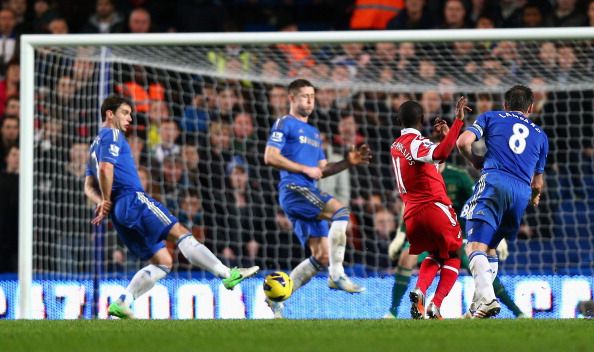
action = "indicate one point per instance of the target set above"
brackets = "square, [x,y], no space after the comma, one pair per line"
[406,263]
[339,216]
[200,256]
[315,235]
[480,234]
[143,281]
[449,274]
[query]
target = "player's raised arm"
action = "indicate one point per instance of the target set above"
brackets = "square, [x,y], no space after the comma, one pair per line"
[356,156]
[273,157]
[444,149]
[464,143]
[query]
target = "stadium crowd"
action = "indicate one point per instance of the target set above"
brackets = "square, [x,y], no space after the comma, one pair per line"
[199,139]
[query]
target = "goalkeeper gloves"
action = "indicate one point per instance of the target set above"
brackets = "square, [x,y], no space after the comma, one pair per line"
[502,250]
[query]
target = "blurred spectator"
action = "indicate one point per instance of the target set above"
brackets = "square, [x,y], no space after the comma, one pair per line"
[348,133]
[278,101]
[227,102]
[414,16]
[19,8]
[511,12]
[191,214]
[9,211]
[271,70]
[9,39]
[432,108]
[590,13]
[58,26]
[253,255]
[138,89]
[454,15]
[568,71]
[485,10]
[139,21]
[13,106]
[169,132]
[385,55]
[244,138]
[339,184]
[158,112]
[342,78]
[137,148]
[195,118]
[566,14]
[296,55]
[44,13]
[9,86]
[9,134]
[374,14]
[532,16]
[427,71]
[407,61]
[485,22]
[105,19]
[73,242]
[11,160]
[191,160]
[151,188]
[173,184]
[376,246]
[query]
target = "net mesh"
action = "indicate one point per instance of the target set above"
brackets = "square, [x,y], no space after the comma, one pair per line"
[203,114]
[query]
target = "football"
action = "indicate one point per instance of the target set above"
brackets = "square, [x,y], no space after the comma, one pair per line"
[278,286]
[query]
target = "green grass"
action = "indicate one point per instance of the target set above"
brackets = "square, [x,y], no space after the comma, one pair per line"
[297,335]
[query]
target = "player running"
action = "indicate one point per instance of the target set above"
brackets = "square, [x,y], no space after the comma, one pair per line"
[295,148]
[142,223]
[429,217]
[511,178]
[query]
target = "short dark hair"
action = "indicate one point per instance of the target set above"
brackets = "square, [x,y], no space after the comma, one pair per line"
[519,98]
[410,113]
[297,84]
[113,102]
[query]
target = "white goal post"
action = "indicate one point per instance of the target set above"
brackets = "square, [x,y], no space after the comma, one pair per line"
[29,43]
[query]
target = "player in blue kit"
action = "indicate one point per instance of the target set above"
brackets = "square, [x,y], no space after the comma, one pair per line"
[142,223]
[295,148]
[511,178]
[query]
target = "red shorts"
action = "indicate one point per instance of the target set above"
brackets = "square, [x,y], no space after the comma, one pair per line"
[434,229]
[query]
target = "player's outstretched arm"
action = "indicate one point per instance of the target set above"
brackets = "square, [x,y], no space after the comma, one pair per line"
[105,176]
[444,149]
[355,156]
[536,185]
[273,157]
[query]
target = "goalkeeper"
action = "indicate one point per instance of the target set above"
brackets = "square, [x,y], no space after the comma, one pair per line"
[459,187]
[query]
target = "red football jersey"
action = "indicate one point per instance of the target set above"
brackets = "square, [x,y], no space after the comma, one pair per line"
[417,178]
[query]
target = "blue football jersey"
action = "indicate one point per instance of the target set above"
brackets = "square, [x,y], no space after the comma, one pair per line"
[111,146]
[515,145]
[299,142]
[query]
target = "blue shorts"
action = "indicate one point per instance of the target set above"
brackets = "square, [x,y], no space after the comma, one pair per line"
[499,201]
[303,205]
[142,223]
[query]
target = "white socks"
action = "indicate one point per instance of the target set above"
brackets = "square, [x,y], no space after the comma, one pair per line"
[200,256]
[483,275]
[494,263]
[304,272]
[143,281]
[337,240]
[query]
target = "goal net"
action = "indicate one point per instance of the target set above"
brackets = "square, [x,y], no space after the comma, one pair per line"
[204,111]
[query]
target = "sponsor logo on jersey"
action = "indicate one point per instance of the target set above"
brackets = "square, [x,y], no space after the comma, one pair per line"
[114,150]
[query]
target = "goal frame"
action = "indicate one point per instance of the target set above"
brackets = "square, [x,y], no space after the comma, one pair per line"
[27,89]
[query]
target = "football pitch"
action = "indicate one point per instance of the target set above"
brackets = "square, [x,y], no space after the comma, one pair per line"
[297,335]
